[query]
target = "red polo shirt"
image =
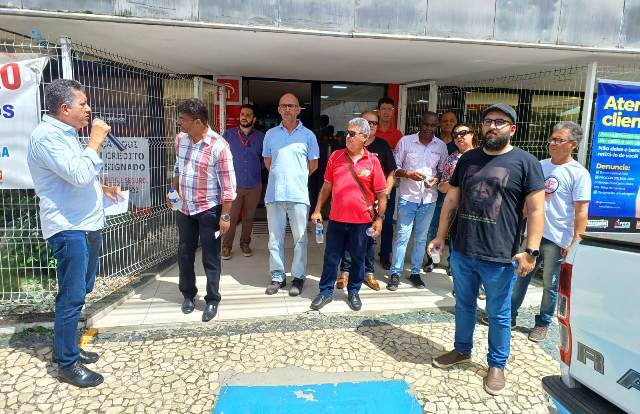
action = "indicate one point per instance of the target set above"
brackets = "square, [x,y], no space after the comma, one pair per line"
[391,135]
[347,202]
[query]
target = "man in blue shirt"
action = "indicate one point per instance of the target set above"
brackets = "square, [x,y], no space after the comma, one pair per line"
[290,154]
[65,176]
[246,147]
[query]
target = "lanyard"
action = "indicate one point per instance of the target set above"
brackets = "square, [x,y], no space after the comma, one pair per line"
[245,143]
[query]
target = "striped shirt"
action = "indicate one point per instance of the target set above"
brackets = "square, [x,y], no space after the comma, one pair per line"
[206,172]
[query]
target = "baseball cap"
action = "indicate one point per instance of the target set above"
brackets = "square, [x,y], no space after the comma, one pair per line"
[504,108]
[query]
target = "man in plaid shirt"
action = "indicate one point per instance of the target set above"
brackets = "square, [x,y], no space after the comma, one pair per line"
[204,178]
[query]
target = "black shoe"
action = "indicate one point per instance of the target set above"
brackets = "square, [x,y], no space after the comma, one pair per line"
[394,282]
[385,262]
[296,287]
[417,281]
[79,375]
[274,287]
[210,311]
[188,306]
[86,357]
[354,301]
[319,302]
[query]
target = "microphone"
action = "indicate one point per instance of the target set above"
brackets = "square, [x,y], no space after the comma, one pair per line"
[115,141]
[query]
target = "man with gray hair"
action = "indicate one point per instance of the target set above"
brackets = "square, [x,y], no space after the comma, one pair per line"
[354,178]
[65,174]
[566,204]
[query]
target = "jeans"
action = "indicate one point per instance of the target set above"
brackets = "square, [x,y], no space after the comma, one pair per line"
[433,227]
[190,228]
[411,216]
[277,214]
[386,236]
[369,260]
[550,256]
[497,279]
[341,237]
[76,254]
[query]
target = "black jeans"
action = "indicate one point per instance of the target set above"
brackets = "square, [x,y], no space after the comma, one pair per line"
[202,225]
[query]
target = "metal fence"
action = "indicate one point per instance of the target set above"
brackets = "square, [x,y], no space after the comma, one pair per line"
[138,100]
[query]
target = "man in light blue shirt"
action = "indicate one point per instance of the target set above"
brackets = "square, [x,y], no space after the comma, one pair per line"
[65,176]
[290,154]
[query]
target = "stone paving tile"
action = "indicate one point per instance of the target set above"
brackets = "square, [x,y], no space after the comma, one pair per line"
[181,370]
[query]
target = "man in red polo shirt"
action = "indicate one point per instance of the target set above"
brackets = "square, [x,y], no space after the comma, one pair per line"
[351,207]
[386,130]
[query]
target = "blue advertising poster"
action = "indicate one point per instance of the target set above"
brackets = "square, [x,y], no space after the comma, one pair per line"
[615,158]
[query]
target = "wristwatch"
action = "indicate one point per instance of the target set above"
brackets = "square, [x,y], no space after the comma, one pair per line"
[381,216]
[532,253]
[225,217]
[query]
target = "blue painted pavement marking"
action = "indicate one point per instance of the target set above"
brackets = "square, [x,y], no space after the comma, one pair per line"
[389,397]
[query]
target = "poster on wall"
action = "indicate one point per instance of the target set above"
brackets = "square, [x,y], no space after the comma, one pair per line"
[615,158]
[233,100]
[19,115]
[129,169]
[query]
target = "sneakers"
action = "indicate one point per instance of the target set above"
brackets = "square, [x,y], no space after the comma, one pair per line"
[371,281]
[296,287]
[394,282]
[485,321]
[495,381]
[449,359]
[342,279]
[226,253]
[416,281]
[538,333]
[246,250]
[274,286]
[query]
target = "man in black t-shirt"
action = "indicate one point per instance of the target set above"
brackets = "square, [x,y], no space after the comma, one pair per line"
[382,150]
[490,188]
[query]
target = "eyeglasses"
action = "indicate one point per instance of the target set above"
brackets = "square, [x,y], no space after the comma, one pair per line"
[558,141]
[499,123]
[372,123]
[351,134]
[288,106]
[460,134]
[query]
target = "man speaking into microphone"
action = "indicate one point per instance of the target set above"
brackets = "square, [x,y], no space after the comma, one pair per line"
[65,174]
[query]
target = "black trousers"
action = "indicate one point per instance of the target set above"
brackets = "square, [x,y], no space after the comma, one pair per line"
[190,228]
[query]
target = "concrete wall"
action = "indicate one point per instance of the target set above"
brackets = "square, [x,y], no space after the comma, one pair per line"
[590,23]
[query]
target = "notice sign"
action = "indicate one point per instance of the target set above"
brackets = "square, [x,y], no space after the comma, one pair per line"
[129,169]
[615,160]
[19,115]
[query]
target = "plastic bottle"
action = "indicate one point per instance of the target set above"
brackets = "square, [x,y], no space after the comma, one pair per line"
[319,232]
[173,196]
[370,231]
[435,256]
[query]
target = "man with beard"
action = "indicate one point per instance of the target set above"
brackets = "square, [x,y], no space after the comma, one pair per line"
[354,179]
[488,191]
[245,144]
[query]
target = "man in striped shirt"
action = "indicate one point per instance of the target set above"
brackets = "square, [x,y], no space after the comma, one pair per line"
[205,180]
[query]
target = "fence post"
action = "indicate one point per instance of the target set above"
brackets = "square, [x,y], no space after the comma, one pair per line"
[589,88]
[198,87]
[222,104]
[402,108]
[67,65]
[433,96]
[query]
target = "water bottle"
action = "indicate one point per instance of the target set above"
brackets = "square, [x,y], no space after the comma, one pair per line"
[319,232]
[435,256]
[370,231]
[173,196]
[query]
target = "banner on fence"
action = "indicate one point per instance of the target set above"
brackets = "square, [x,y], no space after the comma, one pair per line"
[615,158]
[129,169]
[19,115]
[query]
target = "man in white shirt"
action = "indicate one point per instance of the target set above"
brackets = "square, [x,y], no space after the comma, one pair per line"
[566,205]
[420,159]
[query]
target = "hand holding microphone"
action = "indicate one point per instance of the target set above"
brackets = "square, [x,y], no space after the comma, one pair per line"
[101,130]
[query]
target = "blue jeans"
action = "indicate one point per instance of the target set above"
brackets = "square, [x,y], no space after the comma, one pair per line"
[341,237]
[277,214]
[416,217]
[433,227]
[76,254]
[550,256]
[369,260]
[386,236]
[497,279]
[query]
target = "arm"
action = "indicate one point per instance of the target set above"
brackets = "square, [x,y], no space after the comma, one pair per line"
[227,179]
[313,166]
[390,182]
[447,215]
[581,209]
[382,207]
[267,163]
[535,224]
[78,170]
[325,192]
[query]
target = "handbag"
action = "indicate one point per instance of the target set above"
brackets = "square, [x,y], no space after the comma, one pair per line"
[370,208]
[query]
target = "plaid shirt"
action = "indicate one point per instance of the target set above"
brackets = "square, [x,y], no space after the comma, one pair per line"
[206,172]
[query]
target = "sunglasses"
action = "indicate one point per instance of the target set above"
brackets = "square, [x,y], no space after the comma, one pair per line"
[460,134]
[372,123]
[351,134]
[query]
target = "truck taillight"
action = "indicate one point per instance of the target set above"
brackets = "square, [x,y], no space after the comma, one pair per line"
[564,311]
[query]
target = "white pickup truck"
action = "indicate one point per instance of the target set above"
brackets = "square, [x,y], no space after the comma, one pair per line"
[599,318]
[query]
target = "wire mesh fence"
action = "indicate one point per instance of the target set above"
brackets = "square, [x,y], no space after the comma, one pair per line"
[139,101]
